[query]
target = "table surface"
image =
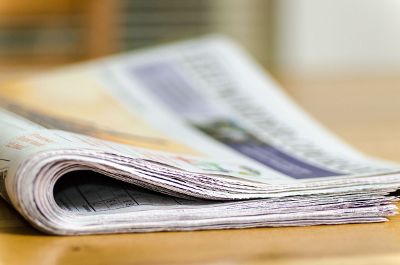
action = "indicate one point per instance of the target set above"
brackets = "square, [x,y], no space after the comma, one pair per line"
[363,111]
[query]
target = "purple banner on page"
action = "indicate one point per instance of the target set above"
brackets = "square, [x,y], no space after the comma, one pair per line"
[280,161]
[166,84]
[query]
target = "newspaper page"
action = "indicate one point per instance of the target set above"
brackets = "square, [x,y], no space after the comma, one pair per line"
[168,139]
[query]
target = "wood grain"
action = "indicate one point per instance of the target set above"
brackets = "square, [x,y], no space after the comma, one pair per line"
[365,111]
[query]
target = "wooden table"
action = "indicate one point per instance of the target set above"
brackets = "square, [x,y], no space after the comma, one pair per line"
[364,111]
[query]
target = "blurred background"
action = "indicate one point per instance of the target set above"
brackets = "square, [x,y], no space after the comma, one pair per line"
[288,36]
[344,50]
[55,32]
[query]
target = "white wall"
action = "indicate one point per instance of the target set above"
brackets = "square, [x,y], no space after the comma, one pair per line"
[360,36]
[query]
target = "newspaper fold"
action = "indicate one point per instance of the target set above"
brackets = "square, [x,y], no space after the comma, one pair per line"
[187,136]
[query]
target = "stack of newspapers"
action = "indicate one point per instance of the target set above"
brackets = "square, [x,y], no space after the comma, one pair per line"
[187,136]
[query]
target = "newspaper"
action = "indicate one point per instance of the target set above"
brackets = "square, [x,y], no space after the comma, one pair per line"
[187,136]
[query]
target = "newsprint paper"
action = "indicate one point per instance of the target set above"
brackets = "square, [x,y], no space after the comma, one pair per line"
[187,136]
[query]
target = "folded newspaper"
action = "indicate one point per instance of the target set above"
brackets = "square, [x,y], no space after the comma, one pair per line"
[187,136]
